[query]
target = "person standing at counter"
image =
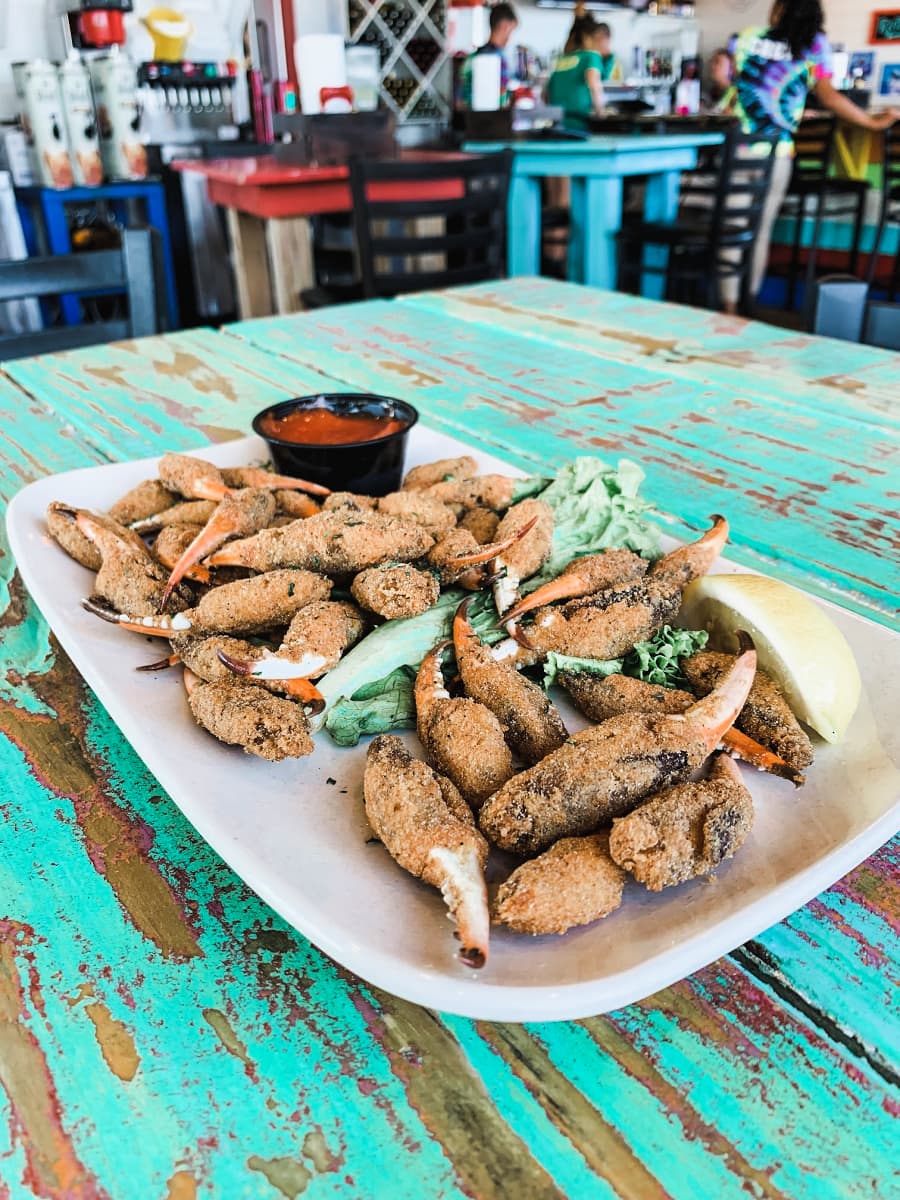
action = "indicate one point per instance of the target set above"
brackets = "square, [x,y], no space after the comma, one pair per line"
[576,85]
[503,23]
[775,69]
[610,67]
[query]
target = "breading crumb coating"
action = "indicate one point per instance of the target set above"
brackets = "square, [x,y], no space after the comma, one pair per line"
[396,591]
[766,716]
[685,831]
[602,697]
[144,500]
[244,715]
[482,524]
[441,471]
[431,514]
[573,883]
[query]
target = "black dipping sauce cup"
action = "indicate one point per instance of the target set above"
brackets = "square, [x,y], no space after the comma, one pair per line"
[371,468]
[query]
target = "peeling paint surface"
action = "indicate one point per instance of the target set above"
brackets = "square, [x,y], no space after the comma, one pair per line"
[164,1035]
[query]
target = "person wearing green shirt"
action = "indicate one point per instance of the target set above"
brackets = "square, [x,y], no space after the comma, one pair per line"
[576,85]
[610,67]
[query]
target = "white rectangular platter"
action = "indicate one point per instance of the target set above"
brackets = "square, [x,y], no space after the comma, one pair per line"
[303,844]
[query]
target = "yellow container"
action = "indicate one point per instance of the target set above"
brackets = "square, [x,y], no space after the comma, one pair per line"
[170,32]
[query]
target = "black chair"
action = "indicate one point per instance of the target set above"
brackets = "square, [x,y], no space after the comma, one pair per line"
[890,213]
[414,245]
[129,271]
[713,236]
[831,197]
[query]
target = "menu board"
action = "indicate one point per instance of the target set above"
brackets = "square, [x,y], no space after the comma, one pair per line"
[886,27]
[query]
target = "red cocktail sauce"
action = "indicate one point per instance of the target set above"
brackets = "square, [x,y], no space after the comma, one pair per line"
[322,427]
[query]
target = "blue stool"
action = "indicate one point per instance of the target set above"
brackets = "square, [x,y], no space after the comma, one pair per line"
[52,205]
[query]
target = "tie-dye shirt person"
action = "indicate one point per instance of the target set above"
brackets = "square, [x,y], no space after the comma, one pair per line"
[771,86]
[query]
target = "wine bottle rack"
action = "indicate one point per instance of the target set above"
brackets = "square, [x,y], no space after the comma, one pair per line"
[411,39]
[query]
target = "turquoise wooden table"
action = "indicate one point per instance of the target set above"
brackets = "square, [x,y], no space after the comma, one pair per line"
[165,1036]
[596,167]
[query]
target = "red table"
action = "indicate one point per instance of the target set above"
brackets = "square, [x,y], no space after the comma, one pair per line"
[268,204]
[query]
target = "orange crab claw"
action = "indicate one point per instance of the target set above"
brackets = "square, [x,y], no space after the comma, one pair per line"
[565,587]
[486,553]
[712,717]
[738,745]
[296,686]
[220,526]
[162,664]
[697,557]
[464,636]
[256,477]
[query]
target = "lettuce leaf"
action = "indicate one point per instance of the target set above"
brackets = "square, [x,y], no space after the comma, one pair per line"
[377,707]
[659,659]
[655,661]
[396,645]
[596,506]
[556,663]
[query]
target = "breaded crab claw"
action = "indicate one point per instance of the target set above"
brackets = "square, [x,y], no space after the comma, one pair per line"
[607,623]
[685,831]
[243,715]
[196,479]
[427,827]
[462,738]
[529,719]
[246,606]
[604,771]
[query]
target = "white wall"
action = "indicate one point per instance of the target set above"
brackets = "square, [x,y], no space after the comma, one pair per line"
[544,30]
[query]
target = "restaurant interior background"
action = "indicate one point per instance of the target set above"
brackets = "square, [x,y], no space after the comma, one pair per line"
[178,122]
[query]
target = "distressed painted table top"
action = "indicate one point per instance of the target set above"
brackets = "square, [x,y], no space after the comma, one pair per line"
[164,1035]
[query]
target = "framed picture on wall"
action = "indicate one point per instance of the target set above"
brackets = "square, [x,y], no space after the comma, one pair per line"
[890,80]
[885,28]
[862,65]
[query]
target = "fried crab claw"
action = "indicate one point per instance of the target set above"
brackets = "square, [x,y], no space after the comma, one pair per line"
[604,771]
[426,826]
[256,477]
[196,479]
[530,722]
[239,514]
[462,738]
[695,559]
[582,577]
[264,725]
[315,641]
[742,747]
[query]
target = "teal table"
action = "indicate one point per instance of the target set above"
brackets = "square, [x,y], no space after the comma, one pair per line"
[165,1036]
[596,167]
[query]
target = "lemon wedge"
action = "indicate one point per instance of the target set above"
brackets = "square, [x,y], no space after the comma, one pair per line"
[796,643]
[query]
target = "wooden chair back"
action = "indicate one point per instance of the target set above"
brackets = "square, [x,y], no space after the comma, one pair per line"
[412,244]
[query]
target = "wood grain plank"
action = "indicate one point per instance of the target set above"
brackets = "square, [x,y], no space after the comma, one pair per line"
[175,391]
[843,946]
[712,348]
[812,491]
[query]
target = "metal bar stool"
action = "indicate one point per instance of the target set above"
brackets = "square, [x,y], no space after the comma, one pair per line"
[890,213]
[832,197]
